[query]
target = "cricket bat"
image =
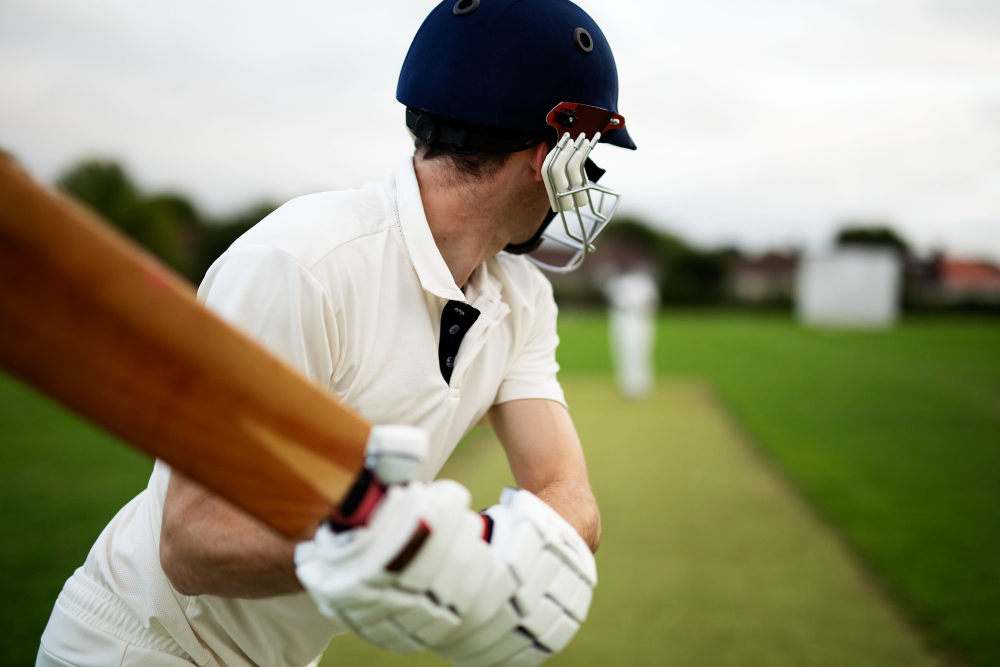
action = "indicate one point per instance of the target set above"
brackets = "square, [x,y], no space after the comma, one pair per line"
[94,321]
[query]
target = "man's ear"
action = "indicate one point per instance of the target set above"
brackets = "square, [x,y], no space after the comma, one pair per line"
[538,154]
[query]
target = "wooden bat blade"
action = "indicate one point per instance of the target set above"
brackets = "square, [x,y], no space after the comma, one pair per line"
[94,321]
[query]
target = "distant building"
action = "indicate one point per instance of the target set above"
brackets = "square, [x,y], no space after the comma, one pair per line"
[963,281]
[939,281]
[853,286]
[767,279]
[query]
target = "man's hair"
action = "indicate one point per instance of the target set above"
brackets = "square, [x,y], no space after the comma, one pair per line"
[481,165]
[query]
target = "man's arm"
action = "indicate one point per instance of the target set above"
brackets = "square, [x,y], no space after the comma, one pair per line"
[209,547]
[546,458]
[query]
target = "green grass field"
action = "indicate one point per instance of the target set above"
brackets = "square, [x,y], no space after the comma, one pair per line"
[708,558]
[894,437]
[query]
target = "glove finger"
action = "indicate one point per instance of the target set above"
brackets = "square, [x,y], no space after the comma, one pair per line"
[388,635]
[559,635]
[579,604]
[377,605]
[368,551]
[499,625]
[496,593]
[473,581]
[427,621]
[447,502]
[501,650]
[544,616]
[548,628]
[467,548]
[537,581]
[563,586]
[559,536]
[521,549]
[353,596]
[529,657]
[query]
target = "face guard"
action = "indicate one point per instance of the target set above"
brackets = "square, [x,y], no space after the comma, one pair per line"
[581,207]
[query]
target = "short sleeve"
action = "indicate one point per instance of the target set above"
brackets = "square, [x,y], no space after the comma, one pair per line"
[533,371]
[270,296]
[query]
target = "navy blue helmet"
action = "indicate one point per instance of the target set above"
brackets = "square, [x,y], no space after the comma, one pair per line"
[485,73]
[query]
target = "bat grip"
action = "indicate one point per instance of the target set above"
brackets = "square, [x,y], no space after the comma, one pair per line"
[360,502]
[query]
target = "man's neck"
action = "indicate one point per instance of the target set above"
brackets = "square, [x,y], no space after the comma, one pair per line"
[467,219]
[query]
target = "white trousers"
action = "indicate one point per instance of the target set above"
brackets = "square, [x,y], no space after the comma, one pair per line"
[633,333]
[90,627]
[71,642]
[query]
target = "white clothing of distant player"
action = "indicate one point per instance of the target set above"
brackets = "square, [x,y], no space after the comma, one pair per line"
[634,298]
[348,287]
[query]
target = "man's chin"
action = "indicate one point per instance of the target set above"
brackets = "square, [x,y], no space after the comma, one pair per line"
[523,239]
[528,234]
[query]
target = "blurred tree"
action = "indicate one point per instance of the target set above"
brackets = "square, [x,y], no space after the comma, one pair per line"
[694,277]
[687,275]
[167,224]
[219,235]
[105,187]
[877,234]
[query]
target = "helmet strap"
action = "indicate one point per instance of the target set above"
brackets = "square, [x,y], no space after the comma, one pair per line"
[532,244]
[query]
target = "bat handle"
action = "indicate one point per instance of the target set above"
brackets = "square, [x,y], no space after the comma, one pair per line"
[364,496]
[360,502]
[393,454]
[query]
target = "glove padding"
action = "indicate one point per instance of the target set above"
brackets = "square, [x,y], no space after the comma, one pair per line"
[409,577]
[555,576]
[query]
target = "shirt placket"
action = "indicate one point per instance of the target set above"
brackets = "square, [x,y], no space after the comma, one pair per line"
[492,311]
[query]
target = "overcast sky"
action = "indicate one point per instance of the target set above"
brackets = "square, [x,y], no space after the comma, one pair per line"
[763,123]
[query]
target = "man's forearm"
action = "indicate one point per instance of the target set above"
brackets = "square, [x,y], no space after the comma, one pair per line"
[209,547]
[546,458]
[576,503]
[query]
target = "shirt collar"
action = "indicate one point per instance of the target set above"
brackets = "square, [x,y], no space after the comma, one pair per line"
[483,285]
[434,274]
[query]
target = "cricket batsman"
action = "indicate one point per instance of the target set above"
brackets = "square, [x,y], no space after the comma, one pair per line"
[419,302]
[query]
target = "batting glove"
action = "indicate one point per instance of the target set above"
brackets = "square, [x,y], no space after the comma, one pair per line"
[417,571]
[555,574]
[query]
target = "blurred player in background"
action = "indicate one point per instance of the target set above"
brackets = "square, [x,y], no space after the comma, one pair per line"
[633,298]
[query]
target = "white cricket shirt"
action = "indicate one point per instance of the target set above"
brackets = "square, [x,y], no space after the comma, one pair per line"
[349,287]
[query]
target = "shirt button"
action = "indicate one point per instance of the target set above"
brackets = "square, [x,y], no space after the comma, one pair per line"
[454,329]
[460,312]
[449,362]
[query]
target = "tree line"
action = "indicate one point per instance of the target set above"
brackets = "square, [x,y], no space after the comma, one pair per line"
[172,227]
[168,224]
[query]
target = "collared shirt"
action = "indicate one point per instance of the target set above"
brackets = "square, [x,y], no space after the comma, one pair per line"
[350,288]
